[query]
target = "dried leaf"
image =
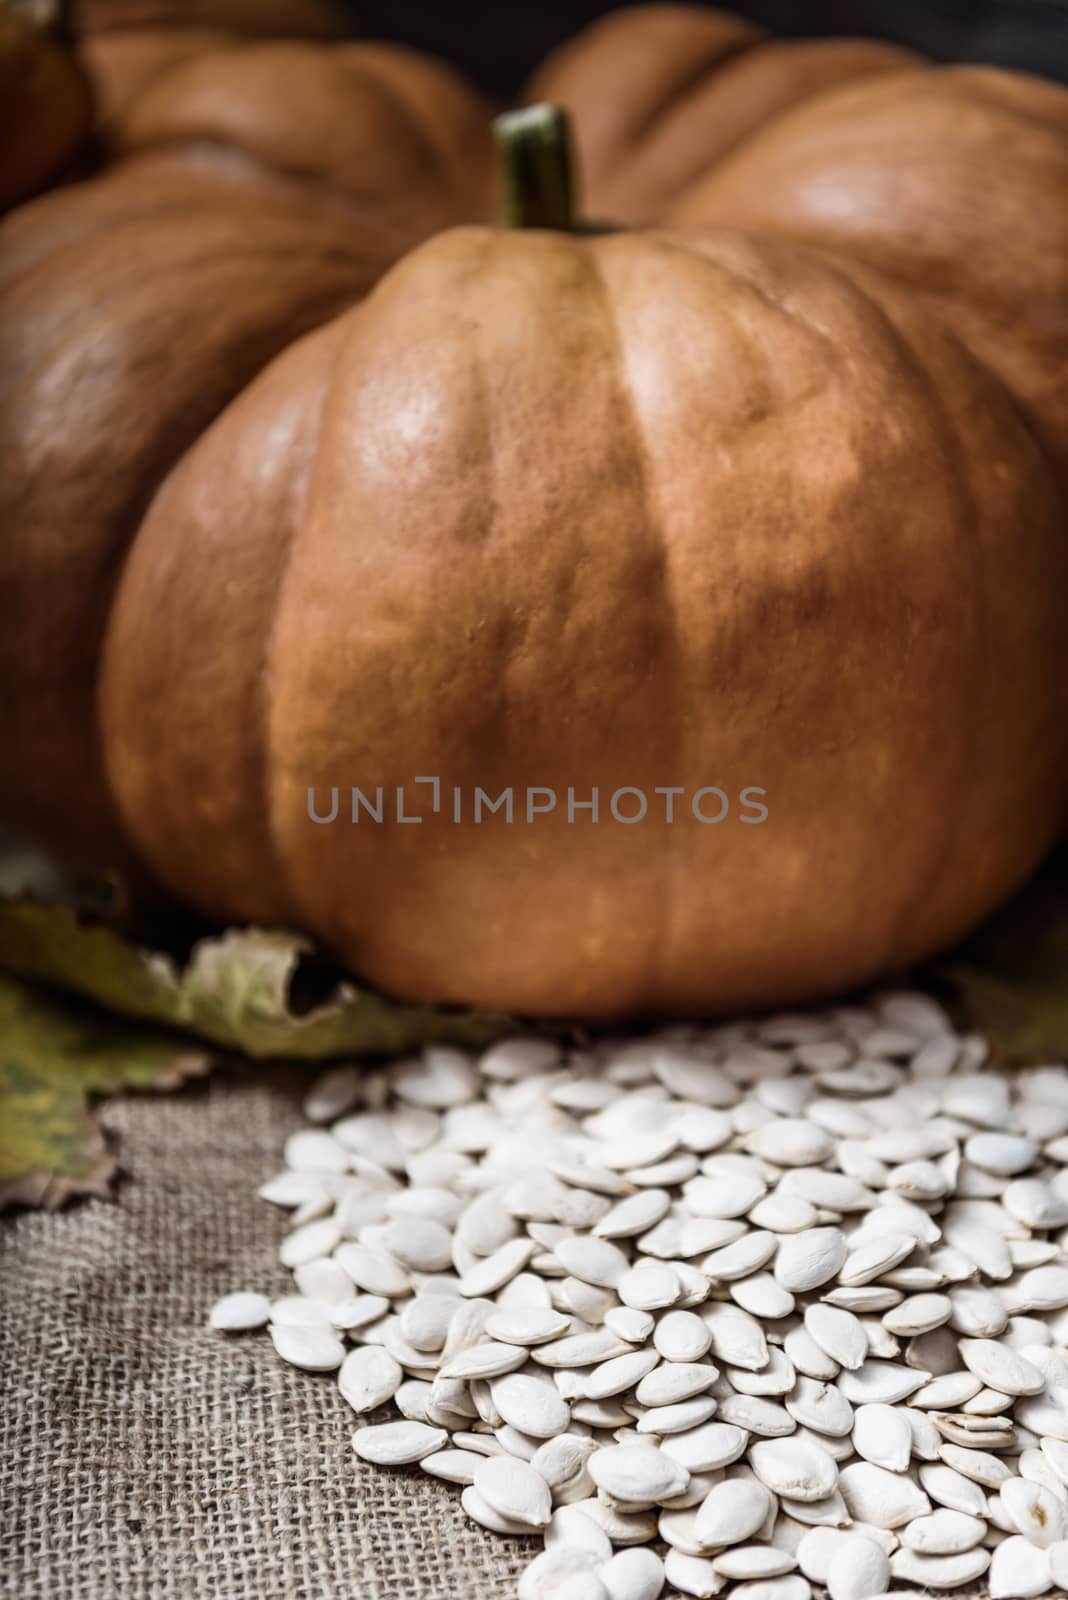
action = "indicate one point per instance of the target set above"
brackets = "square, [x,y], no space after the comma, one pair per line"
[56,1053]
[1011,977]
[237,989]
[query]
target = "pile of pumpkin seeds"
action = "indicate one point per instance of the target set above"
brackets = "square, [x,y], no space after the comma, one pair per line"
[744,1309]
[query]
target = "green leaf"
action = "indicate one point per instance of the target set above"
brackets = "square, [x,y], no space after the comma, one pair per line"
[238,989]
[261,992]
[56,1053]
[1010,978]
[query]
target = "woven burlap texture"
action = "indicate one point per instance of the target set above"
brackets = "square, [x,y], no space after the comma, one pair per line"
[143,1457]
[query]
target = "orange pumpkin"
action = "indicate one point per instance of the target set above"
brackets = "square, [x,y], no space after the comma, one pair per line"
[129,45]
[765,498]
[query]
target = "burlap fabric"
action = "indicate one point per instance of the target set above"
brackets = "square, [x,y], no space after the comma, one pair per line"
[143,1457]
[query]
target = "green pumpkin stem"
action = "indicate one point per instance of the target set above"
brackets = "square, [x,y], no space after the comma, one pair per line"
[534,154]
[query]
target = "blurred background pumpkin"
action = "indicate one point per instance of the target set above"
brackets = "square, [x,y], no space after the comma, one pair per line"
[45,102]
[498,46]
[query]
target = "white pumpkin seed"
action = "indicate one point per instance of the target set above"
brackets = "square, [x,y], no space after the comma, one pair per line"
[637,1213]
[316,1349]
[880,1381]
[732,1512]
[808,1356]
[738,1340]
[806,1260]
[776,1377]
[311,1150]
[530,1405]
[951,1389]
[754,1561]
[295,1311]
[795,1468]
[791,1142]
[581,1349]
[397,1444]
[883,1436]
[479,1510]
[426,1319]
[820,1406]
[939,1572]
[976,1464]
[514,1490]
[619,1374]
[369,1377]
[887,1499]
[692,1575]
[858,1569]
[636,1574]
[682,1336]
[1034,1511]
[724,1197]
[789,1588]
[1057,1555]
[323,1280]
[1043,1289]
[623,1528]
[757,1415]
[870,1260]
[762,1297]
[944,1533]
[1001,1368]
[677,1418]
[639,1475]
[492,1272]
[673,1381]
[238,1312]
[1036,1204]
[950,1488]
[1019,1569]
[373,1270]
[487,1360]
[595,1261]
[1004,1153]
[650,1286]
[703,1449]
[629,1323]
[452,1466]
[526,1325]
[839,1334]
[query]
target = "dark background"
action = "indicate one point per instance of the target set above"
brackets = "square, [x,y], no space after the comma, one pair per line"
[498,45]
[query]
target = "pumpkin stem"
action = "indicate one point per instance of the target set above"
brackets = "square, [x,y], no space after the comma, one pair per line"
[534,154]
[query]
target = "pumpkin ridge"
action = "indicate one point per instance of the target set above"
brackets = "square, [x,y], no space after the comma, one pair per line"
[860,269]
[268,759]
[240,164]
[273,205]
[375,61]
[952,820]
[663,925]
[275,737]
[704,67]
[705,80]
[877,286]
